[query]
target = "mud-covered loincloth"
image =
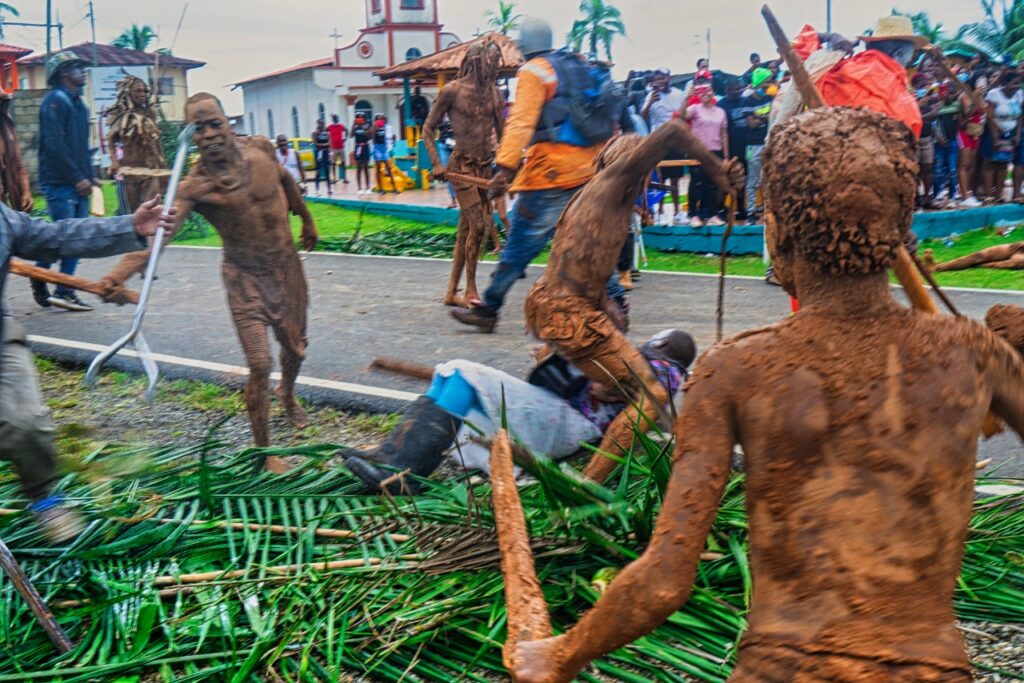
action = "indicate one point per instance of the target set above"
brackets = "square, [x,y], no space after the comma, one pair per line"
[275,296]
[778,662]
[466,194]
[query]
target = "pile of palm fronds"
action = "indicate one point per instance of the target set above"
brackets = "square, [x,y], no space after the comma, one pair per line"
[196,567]
[435,241]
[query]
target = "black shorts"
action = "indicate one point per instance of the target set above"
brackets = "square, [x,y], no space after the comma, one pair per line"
[362,153]
[673,171]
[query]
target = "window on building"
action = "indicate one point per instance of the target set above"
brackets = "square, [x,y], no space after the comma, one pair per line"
[375,7]
[270,124]
[413,53]
[296,129]
[321,112]
[412,4]
[252,124]
[165,86]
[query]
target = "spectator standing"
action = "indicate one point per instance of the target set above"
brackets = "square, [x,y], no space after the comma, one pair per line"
[928,103]
[66,174]
[339,135]
[663,103]
[322,152]
[973,123]
[947,152]
[383,141]
[362,139]
[1005,103]
[755,63]
[419,106]
[289,160]
[757,106]
[736,109]
[711,126]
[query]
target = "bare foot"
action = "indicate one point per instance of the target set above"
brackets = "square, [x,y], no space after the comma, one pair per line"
[455,300]
[276,465]
[296,415]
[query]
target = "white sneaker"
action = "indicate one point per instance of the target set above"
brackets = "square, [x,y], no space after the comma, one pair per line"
[679,219]
[971,202]
[715,220]
[696,222]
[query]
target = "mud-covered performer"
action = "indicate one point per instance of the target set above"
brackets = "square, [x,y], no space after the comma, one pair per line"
[568,307]
[134,139]
[246,195]
[858,420]
[475,108]
[1002,256]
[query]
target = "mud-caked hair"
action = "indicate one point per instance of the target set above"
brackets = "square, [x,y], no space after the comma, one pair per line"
[841,185]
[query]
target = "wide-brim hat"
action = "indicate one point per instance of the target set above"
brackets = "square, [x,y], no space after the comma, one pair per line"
[895,27]
[59,61]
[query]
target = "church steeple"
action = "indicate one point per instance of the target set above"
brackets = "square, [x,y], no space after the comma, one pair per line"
[385,12]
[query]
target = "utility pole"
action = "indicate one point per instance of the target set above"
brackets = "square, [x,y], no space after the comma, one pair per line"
[828,16]
[49,41]
[60,32]
[92,25]
[709,48]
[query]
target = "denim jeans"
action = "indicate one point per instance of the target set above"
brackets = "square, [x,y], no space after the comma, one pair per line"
[63,202]
[754,153]
[532,222]
[947,159]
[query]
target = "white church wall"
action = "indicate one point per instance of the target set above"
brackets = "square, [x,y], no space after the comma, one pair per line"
[406,11]
[279,96]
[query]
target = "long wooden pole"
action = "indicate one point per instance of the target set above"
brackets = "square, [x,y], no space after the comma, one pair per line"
[35,601]
[124,296]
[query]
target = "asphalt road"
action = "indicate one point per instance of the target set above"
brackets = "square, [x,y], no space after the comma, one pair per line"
[364,306]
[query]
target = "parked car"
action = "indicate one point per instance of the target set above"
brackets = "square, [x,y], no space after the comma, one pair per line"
[304,147]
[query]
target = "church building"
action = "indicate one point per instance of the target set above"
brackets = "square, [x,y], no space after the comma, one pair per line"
[291,100]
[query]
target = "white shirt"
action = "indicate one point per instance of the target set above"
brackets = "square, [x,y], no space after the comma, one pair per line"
[1007,110]
[290,161]
[662,111]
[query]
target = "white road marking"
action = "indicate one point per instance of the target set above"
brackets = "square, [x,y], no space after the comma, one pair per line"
[976,290]
[377,392]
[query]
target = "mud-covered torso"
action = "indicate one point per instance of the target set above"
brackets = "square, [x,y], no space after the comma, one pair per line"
[860,439]
[252,218]
[472,115]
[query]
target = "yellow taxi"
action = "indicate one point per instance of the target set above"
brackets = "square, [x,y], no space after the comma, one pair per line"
[304,148]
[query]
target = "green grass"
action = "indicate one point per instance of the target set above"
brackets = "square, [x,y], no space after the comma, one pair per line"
[336,224]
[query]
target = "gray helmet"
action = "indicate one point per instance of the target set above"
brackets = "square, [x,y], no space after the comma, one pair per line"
[535,36]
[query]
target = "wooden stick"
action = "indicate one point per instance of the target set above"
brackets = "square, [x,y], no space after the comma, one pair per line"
[124,296]
[35,602]
[403,367]
[527,610]
[801,78]
[181,579]
[906,273]
[279,529]
[468,179]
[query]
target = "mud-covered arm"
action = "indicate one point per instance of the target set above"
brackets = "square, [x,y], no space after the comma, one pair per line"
[297,205]
[439,109]
[650,589]
[1006,373]
[675,135]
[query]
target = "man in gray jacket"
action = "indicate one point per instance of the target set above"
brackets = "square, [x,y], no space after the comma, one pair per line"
[26,430]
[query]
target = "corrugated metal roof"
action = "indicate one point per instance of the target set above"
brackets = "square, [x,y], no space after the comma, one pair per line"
[108,55]
[449,61]
[314,64]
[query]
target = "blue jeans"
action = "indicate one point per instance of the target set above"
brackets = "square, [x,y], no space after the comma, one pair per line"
[947,160]
[63,202]
[532,222]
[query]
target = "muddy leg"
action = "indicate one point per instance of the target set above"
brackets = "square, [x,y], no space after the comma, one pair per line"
[285,392]
[527,610]
[451,297]
[618,439]
[479,216]
[1015,263]
[1000,252]
[256,346]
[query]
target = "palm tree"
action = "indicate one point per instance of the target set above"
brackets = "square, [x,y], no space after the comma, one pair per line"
[923,26]
[1000,32]
[600,23]
[504,20]
[135,37]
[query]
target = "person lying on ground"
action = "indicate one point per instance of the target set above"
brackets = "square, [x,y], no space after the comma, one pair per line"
[1002,256]
[26,428]
[859,422]
[553,413]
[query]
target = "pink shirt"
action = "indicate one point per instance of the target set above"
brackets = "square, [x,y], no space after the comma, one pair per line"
[707,124]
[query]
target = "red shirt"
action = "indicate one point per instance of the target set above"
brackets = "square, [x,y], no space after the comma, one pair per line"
[338,134]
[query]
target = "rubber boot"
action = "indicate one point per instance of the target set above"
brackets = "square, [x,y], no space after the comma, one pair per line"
[417,444]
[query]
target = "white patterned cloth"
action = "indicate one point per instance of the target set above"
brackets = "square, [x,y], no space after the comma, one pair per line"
[538,419]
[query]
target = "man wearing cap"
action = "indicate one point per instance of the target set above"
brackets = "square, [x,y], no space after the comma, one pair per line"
[875,79]
[65,164]
[552,173]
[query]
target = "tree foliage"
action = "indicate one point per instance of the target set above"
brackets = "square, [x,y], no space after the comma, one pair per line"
[505,20]
[135,37]
[1000,32]
[600,23]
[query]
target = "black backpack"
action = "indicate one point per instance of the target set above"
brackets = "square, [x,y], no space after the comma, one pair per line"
[587,106]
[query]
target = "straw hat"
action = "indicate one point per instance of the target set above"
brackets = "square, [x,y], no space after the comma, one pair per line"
[895,27]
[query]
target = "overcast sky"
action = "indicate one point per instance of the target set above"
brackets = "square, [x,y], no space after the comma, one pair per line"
[241,39]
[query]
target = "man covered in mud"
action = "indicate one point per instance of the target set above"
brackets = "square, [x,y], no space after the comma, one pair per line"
[568,307]
[1002,256]
[133,131]
[474,107]
[246,195]
[858,419]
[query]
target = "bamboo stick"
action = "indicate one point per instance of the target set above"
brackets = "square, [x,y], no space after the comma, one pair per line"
[279,529]
[122,296]
[182,579]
